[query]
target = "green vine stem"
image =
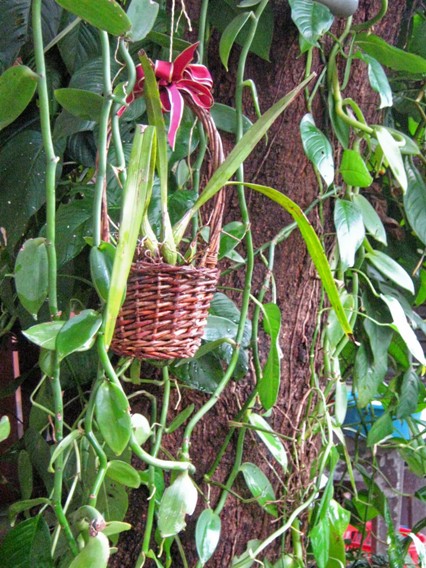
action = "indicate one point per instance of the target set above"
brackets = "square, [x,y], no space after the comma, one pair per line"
[102,140]
[375,19]
[50,184]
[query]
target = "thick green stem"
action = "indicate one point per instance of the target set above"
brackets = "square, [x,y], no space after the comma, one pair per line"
[375,19]
[102,140]
[50,185]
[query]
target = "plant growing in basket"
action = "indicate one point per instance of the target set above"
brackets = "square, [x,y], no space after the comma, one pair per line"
[170,282]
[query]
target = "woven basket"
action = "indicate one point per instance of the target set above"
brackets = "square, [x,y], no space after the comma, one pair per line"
[166,307]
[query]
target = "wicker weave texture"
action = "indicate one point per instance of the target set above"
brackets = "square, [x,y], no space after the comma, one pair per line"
[165,311]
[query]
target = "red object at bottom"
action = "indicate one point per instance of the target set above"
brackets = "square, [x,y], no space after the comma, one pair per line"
[355,540]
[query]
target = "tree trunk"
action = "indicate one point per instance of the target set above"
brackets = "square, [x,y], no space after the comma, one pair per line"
[280,164]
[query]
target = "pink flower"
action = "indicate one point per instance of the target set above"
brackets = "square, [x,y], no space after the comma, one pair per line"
[174,78]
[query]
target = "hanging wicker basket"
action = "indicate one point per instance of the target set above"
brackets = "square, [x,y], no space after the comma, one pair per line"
[166,307]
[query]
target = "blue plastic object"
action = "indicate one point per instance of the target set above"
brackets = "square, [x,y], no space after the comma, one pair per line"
[358,421]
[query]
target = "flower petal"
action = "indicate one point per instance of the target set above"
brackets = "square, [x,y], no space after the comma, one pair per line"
[200,94]
[176,112]
[183,60]
[198,73]
[164,70]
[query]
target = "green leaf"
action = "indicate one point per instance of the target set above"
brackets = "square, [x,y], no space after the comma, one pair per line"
[101,263]
[354,171]
[340,402]
[245,560]
[390,56]
[340,127]
[25,474]
[31,275]
[339,519]
[379,81]
[269,383]
[350,230]
[78,333]
[317,148]
[334,329]
[415,200]
[39,453]
[392,153]
[237,156]
[123,473]
[260,487]
[319,536]
[112,413]
[106,15]
[23,187]
[371,219]
[313,20]
[409,394]
[94,555]
[314,247]
[63,445]
[27,545]
[14,24]
[135,201]
[116,527]
[83,104]
[141,428]
[19,506]
[231,236]
[402,326]
[4,428]
[44,334]
[381,429]
[80,45]
[180,419]
[269,438]
[225,118]
[17,87]
[229,36]
[207,534]
[178,501]
[367,378]
[142,14]
[391,269]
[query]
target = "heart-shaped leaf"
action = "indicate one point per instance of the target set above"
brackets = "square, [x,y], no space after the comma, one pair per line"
[207,534]
[17,87]
[31,275]
[354,171]
[112,413]
[78,333]
[317,148]
[350,230]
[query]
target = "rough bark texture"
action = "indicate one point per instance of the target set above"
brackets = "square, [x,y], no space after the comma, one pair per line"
[281,164]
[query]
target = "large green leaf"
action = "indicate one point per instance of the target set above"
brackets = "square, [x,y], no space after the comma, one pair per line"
[367,378]
[17,87]
[269,383]
[391,56]
[312,20]
[225,118]
[135,201]
[112,413]
[14,21]
[123,473]
[23,187]
[381,428]
[207,534]
[353,169]
[221,13]
[4,428]
[229,35]
[314,247]
[80,45]
[391,269]
[319,536]
[178,501]
[392,153]
[95,554]
[415,200]
[408,398]
[350,230]
[260,487]
[44,334]
[142,14]
[78,333]
[106,15]
[269,438]
[402,326]
[317,148]
[83,104]
[31,275]
[370,217]
[27,545]
[379,81]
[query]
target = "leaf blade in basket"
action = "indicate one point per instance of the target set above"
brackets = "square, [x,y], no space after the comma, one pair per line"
[237,156]
[135,201]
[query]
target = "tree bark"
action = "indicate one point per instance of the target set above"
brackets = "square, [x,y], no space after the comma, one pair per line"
[280,164]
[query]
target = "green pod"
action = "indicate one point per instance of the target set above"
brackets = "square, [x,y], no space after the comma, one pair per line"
[94,555]
[101,262]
